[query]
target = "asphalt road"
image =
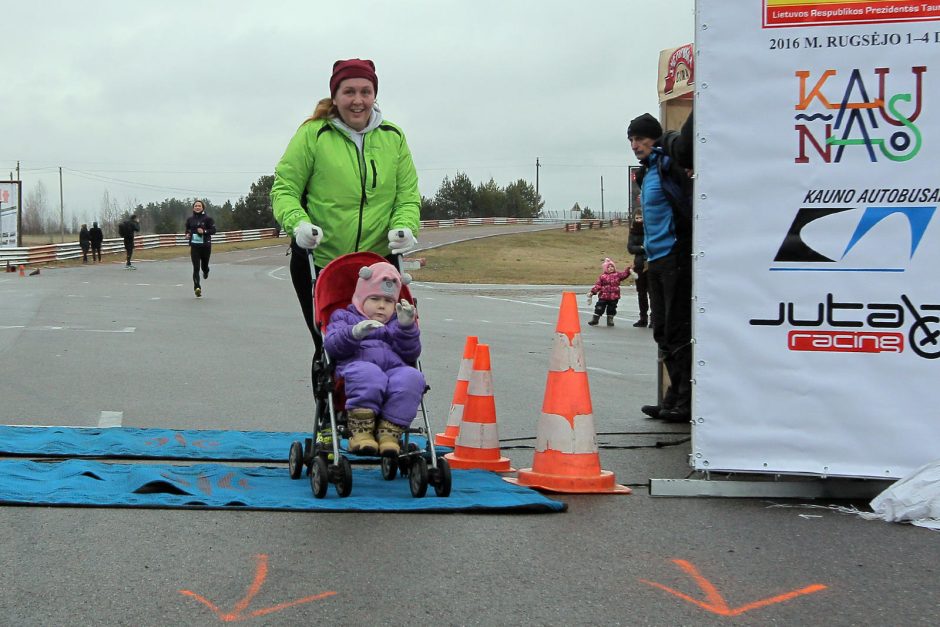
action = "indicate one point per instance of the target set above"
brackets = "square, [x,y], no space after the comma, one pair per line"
[80,341]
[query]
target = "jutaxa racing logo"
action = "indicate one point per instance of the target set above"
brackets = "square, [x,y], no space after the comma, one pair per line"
[857,327]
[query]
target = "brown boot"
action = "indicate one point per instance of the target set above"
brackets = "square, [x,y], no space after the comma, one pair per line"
[610,321]
[593,321]
[361,423]
[389,434]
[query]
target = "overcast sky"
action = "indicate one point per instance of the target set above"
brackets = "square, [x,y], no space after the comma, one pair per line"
[150,100]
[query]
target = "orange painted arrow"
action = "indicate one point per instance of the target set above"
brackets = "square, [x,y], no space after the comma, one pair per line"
[237,613]
[716,604]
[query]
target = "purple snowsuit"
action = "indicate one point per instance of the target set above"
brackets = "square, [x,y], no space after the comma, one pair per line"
[376,368]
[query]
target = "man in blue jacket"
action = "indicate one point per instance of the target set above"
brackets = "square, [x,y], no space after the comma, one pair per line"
[666,195]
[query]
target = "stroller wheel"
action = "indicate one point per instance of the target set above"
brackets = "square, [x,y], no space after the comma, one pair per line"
[418,477]
[441,478]
[319,477]
[389,468]
[344,480]
[295,460]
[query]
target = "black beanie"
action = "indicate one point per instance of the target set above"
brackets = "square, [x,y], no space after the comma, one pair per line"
[645,126]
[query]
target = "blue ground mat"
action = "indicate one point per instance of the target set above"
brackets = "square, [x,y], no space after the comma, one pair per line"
[131,443]
[79,482]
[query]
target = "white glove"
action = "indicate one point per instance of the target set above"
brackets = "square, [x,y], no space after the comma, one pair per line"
[406,313]
[364,328]
[401,241]
[307,235]
[590,298]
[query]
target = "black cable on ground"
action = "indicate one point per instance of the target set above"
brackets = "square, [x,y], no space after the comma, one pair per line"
[659,444]
[532,437]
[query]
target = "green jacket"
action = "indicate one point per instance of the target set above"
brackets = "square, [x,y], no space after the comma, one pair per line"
[356,201]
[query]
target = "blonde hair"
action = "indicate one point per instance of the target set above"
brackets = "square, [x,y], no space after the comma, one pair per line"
[324,109]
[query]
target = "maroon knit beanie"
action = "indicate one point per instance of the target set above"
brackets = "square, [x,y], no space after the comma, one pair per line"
[353,68]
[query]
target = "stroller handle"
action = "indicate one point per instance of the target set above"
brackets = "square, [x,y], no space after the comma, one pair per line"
[396,258]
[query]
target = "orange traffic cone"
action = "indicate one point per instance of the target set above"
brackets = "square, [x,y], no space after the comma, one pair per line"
[566,458]
[455,415]
[477,444]
[22,270]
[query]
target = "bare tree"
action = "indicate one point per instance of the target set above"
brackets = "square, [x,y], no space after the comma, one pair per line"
[34,210]
[50,222]
[110,214]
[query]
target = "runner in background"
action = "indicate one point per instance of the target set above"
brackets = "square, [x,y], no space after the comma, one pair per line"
[199,231]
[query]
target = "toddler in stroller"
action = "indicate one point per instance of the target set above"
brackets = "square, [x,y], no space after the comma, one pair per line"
[372,341]
[367,381]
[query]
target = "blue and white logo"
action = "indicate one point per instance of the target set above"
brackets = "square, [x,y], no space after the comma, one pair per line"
[836,239]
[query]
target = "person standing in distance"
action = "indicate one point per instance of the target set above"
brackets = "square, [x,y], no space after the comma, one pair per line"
[96,236]
[666,198]
[126,230]
[84,240]
[346,182]
[635,247]
[199,231]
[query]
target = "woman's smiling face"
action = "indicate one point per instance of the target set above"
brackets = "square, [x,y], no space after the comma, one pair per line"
[354,100]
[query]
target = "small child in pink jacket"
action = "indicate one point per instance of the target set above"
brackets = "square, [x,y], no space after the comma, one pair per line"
[607,288]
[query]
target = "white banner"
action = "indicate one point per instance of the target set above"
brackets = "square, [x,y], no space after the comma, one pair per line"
[9,213]
[817,239]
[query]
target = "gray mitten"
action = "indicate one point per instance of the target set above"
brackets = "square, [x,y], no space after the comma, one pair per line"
[406,313]
[364,328]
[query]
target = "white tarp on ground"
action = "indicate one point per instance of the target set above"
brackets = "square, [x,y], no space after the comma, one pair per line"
[914,499]
[816,313]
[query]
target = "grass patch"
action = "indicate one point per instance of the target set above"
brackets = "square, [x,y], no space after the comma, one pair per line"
[553,257]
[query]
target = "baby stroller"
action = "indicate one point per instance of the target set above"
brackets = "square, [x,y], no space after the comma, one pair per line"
[326,463]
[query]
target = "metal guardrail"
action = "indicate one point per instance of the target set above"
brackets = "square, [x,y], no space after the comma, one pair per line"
[33,255]
[583,225]
[425,224]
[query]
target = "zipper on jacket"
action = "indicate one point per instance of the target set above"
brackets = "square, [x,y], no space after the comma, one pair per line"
[362,203]
[361,158]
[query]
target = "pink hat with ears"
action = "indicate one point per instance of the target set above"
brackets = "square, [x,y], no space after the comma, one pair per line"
[608,265]
[379,279]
